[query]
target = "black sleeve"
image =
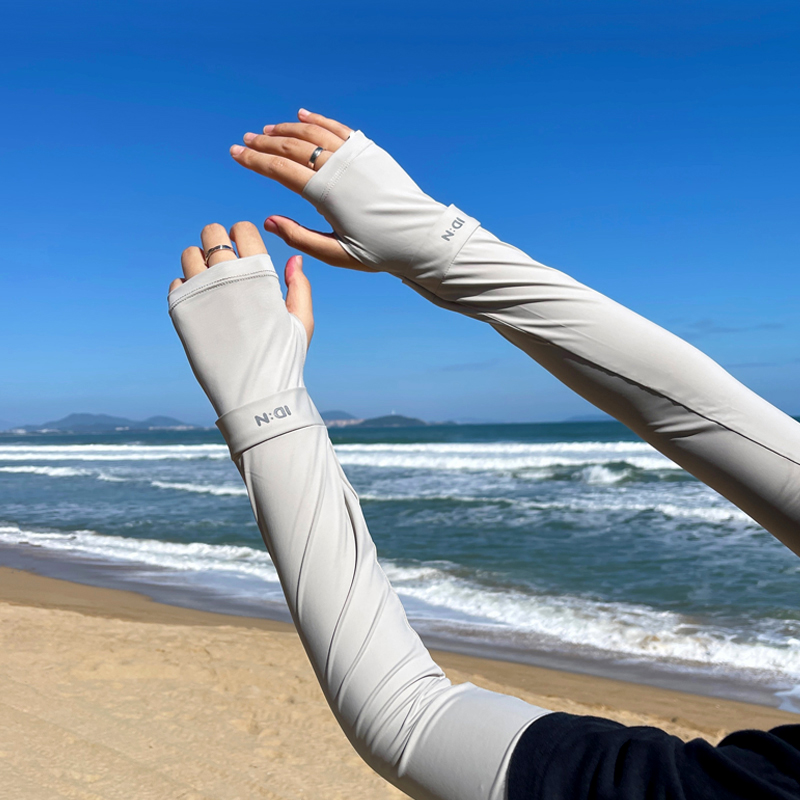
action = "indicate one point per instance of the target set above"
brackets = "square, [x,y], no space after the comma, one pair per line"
[570,757]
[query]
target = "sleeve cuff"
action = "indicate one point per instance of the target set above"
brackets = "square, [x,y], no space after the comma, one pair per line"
[256,422]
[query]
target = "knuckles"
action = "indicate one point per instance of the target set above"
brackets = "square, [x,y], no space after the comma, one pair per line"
[278,164]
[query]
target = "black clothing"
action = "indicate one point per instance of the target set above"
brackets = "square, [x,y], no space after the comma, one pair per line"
[569,757]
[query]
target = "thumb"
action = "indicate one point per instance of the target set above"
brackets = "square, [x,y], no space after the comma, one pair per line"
[323,246]
[298,295]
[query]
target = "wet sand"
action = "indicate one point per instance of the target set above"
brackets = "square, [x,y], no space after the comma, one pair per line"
[108,694]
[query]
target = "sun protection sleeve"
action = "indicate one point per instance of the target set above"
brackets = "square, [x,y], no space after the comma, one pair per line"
[668,392]
[429,738]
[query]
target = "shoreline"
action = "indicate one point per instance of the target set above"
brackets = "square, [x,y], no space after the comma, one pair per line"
[147,581]
[111,694]
[710,715]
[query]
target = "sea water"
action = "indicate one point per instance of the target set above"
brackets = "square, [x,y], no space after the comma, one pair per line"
[562,544]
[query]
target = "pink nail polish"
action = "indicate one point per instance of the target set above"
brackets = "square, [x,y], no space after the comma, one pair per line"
[303,112]
[248,137]
[236,149]
[268,128]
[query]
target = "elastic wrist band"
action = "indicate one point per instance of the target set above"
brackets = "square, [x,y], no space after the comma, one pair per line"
[265,419]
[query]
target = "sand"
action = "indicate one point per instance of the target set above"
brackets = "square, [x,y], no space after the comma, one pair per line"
[107,694]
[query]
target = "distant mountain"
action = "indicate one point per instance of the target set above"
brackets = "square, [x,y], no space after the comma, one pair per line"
[341,419]
[103,423]
[391,421]
[326,415]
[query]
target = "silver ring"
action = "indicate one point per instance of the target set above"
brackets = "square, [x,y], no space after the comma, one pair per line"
[314,156]
[216,249]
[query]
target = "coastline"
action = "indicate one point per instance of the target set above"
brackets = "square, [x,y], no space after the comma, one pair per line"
[111,692]
[161,588]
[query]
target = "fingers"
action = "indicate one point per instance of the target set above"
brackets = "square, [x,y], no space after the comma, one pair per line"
[298,294]
[248,240]
[282,153]
[299,151]
[213,236]
[279,168]
[324,246]
[342,131]
[192,262]
[248,243]
[313,134]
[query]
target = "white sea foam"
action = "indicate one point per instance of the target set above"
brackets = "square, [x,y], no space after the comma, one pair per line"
[106,452]
[72,472]
[439,593]
[717,510]
[598,475]
[51,472]
[431,456]
[618,628]
[502,456]
[219,491]
[195,556]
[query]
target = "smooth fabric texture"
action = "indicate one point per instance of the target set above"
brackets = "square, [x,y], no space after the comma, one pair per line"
[256,422]
[667,391]
[430,738]
[567,757]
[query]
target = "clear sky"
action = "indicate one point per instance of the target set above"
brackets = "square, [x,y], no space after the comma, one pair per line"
[649,149]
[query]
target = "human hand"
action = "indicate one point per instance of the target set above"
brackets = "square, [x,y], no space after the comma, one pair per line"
[243,341]
[249,243]
[282,153]
[382,221]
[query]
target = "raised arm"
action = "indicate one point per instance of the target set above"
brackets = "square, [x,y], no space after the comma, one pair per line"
[429,738]
[668,392]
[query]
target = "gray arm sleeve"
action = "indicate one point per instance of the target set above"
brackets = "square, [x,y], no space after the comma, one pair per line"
[664,389]
[429,738]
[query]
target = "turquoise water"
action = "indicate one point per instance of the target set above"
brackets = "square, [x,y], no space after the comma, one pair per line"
[573,537]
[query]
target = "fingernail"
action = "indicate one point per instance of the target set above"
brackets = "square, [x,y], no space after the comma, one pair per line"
[248,137]
[270,226]
[303,112]
[268,128]
[236,149]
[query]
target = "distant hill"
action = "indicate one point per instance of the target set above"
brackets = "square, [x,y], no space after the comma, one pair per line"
[103,423]
[341,419]
[326,415]
[391,421]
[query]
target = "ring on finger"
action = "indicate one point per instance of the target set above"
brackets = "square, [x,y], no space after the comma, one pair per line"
[314,156]
[216,249]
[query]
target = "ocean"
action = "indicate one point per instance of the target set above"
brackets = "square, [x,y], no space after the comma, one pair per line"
[571,545]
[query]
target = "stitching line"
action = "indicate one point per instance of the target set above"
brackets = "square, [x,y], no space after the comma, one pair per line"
[222,282]
[340,171]
[237,456]
[455,255]
[495,323]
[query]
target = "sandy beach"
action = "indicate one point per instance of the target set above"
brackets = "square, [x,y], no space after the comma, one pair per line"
[111,695]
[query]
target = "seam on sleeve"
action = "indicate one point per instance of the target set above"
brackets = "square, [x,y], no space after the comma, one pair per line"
[340,170]
[497,324]
[455,255]
[221,282]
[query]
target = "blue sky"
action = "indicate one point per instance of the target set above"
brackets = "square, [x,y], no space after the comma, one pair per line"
[649,149]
